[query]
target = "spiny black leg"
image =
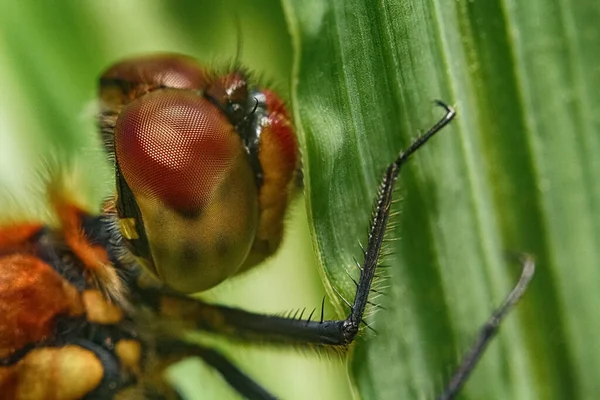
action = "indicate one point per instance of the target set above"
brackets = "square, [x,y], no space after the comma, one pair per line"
[239,381]
[379,225]
[241,324]
[488,331]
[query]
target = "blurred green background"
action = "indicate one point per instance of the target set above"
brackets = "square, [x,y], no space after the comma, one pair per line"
[518,170]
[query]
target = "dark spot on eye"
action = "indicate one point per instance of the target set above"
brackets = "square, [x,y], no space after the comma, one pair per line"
[222,247]
[189,213]
[190,253]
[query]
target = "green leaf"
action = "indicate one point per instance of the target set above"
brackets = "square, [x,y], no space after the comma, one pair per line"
[518,171]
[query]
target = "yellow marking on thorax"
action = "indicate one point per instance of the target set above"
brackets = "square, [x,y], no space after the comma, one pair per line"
[129,352]
[99,309]
[67,373]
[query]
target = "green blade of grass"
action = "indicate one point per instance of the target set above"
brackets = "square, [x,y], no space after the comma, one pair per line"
[517,171]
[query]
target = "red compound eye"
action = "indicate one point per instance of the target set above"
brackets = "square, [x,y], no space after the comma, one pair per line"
[192,181]
[175,147]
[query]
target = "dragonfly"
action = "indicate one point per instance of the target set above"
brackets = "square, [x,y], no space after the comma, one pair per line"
[96,306]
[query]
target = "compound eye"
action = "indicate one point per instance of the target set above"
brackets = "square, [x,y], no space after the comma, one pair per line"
[174,147]
[192,181]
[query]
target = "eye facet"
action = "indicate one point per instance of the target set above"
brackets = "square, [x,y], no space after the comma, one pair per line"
[192,181]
